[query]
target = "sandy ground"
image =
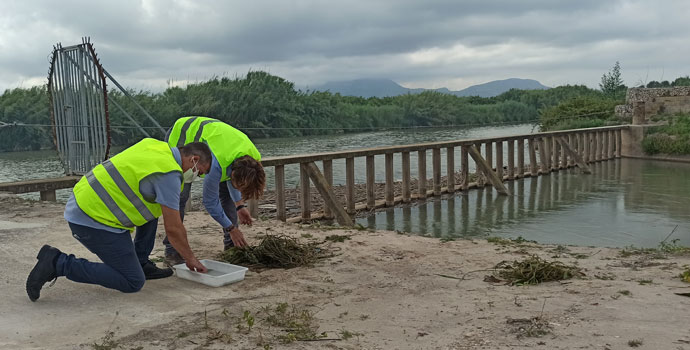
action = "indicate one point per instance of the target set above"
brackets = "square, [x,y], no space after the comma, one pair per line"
[382,290]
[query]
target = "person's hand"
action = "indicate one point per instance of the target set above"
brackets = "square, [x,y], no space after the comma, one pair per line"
[237,237]
[245,217]
[195,265]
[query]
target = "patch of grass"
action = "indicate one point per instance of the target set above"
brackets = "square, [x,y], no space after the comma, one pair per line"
[498,240]
[673,248]
[685,276]
[534,270]
[249,319]
[625,292]
[275,251]
[345,334]
[337,238]
[660,252]
[307,235]
[673,138]
[631,251]
[635,343]
[645,282]
[298,323]
[445,239]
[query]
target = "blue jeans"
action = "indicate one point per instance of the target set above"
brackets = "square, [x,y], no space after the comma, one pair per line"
[122,258]
[225,201]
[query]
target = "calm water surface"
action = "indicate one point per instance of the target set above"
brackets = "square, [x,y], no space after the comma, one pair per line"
[624,202]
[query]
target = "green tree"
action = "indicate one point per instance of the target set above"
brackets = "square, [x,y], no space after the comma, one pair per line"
[681,81]
[611,83]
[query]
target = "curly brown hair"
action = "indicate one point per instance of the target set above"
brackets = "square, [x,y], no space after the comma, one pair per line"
[248,177]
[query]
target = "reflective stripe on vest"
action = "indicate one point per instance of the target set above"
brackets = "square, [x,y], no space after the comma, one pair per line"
[197,137]
[127,191]
[110,194]
[185,127]
[226,142]
[108,200]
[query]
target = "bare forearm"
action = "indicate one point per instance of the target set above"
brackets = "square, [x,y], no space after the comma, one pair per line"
[178,238]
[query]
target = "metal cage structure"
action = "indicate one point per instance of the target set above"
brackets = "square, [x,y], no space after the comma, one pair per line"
[79,103]
[79,107]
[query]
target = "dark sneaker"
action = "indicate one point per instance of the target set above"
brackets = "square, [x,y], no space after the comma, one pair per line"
[44,271]
[153,272]
[172,259]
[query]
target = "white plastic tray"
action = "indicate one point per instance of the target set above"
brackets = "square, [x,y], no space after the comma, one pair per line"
[219,273]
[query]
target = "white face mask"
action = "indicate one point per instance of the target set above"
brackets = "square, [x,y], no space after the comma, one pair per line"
[191,174]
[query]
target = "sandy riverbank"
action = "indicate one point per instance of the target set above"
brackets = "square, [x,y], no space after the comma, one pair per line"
[382,290]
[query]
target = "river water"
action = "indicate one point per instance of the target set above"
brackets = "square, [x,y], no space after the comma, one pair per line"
[17,166]
[624,202]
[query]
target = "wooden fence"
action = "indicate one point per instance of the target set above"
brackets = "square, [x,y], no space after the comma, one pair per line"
[494,161]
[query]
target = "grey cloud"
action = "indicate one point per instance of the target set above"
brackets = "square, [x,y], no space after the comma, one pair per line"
[315,41]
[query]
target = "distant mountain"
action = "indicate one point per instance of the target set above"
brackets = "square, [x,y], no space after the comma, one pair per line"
[387,87]
[364,88]
[497,87]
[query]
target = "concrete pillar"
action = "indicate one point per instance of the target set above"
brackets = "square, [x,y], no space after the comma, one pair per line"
[48,195]
[631,141]
[638,113]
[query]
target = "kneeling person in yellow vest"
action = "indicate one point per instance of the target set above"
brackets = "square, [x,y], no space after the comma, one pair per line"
[236,175]
[130,190]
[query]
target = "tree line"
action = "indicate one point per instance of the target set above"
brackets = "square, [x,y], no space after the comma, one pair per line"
[264,105]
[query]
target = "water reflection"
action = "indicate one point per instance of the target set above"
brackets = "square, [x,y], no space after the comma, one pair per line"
[624,202]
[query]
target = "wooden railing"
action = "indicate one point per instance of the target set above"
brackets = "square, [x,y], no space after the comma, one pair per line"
[46,187]
[514,157]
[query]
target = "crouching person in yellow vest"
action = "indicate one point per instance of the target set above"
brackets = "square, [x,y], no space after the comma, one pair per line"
[130,190]
[236,175]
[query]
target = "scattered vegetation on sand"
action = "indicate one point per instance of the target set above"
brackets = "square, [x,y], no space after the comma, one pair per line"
[534,327]
[508,241]
[635,343]
[275,251]
[685,276]
[662,251]
[297,324]
[534,270]
[107,343]
[337,238]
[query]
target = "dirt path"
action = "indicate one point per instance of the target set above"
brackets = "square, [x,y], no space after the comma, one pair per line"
[381,291]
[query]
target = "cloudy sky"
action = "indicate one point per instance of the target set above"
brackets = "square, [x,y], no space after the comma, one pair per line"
[418,43]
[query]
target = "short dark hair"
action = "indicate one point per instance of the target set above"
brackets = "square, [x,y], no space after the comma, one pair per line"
[197,149]
[248,177]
